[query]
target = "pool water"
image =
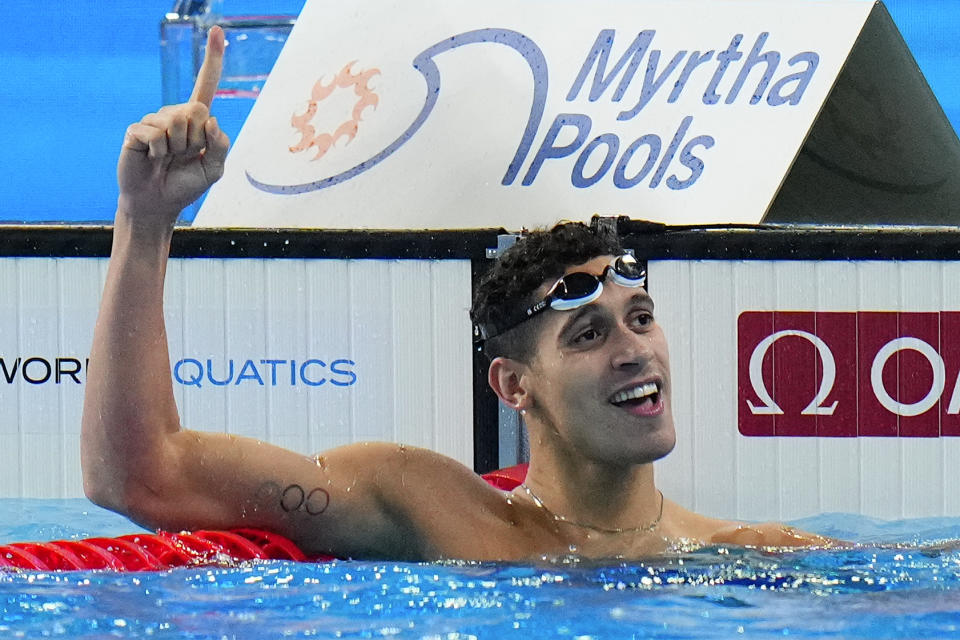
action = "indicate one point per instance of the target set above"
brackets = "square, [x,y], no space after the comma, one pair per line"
[878,590]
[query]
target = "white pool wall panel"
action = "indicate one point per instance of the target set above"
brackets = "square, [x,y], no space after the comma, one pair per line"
[716,470]
[403,322]
[835,281]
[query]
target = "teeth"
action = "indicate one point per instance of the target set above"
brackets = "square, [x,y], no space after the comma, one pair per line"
[636,393]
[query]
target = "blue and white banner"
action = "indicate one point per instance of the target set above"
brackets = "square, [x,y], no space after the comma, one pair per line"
[461,114]
[305,354]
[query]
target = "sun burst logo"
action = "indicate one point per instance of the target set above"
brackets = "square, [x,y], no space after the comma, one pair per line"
[324,140]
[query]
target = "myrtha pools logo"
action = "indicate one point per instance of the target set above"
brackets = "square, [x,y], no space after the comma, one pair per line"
[324,140]
[631,72]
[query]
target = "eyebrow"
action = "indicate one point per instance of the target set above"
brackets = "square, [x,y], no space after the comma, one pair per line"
[575,316]
[641,297]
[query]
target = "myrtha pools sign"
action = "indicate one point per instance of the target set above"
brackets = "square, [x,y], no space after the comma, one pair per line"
[460,115]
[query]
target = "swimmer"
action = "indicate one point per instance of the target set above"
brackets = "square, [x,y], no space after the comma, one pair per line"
[573,342]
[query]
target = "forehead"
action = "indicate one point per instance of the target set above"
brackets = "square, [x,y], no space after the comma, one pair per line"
[594,265]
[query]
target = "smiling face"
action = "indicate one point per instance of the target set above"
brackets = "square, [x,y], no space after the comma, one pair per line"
[598,385]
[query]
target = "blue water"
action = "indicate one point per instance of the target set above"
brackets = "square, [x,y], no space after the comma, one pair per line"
[874,591]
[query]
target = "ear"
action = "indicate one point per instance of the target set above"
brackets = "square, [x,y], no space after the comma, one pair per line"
[506,378]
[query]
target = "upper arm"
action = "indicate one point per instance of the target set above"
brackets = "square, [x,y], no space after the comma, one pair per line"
[328,503]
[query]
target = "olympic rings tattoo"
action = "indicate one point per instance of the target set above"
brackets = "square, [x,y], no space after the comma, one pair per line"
[294,498]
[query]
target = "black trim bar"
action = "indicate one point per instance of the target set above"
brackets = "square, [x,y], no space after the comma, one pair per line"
[650,240]
[94,242]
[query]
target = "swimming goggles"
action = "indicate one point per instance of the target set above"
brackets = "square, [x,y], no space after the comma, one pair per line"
[572,291]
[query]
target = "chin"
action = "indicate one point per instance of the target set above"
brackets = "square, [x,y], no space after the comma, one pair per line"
[650,448]
[657,445]
[666,444]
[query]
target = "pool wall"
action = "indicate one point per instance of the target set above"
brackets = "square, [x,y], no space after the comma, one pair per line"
[330,345]
[307,354]
[717,469]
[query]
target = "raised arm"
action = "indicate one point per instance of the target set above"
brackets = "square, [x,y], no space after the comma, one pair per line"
[136,457]
[168,159]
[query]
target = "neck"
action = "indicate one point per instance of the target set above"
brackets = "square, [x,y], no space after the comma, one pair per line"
[599,494]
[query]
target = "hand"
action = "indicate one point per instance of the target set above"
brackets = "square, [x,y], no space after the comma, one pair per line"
[171,157]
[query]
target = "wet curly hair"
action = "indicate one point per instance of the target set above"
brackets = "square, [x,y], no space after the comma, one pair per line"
[537,257]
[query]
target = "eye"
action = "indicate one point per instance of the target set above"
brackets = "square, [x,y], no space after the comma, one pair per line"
[586,336]
[643,319]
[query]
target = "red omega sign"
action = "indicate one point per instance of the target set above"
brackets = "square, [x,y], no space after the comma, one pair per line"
[838,374]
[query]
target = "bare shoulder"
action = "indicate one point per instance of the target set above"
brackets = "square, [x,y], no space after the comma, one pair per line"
[438,506]
[694,526]
[389,457]
[769,534]
[402,473]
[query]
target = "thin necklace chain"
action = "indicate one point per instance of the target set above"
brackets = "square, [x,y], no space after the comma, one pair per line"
[641,529]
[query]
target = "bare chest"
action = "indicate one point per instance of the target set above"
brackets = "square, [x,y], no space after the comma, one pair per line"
[527,535]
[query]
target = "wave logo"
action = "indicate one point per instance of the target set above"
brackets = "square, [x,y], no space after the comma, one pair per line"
[323,141]
[849,374]
[424,63]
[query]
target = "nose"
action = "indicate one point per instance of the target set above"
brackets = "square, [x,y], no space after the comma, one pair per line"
[629,348]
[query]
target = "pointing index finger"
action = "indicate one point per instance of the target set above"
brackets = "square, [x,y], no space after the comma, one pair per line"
[209,75]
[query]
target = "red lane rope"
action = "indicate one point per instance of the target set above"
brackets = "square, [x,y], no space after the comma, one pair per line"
[165,550]
[151,551]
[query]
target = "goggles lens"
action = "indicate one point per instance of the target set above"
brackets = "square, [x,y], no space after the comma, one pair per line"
[627,271]
[575,285]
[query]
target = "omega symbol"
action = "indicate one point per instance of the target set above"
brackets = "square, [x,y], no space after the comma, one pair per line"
[815,408]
